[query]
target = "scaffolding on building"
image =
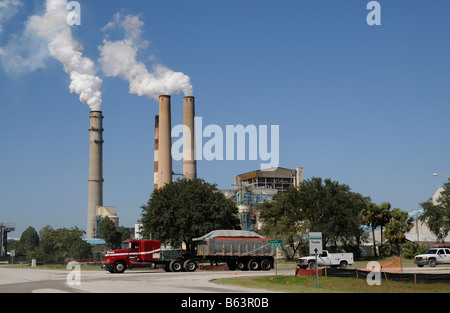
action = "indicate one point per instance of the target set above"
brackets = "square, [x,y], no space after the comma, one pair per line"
[5,228]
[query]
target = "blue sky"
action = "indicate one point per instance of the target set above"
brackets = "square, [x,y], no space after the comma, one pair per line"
[364,105]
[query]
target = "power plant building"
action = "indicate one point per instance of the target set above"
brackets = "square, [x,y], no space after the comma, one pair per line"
[279,179]
[254,188]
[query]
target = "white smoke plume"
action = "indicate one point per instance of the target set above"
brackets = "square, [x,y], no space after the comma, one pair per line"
[62,46]
[118,59]
[51,34]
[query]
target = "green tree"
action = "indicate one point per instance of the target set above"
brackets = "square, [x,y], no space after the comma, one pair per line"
[333,209]
[317,205]
[80,249]
[28,242]
[375,216]
[400,224]
[282,219]
[186,209]
[54,245]
[109,232]
[437,216]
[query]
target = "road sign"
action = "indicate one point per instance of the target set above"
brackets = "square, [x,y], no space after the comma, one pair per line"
[275,241]
[276,244]
[315,243]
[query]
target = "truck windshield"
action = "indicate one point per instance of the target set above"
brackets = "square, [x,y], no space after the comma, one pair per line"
[431,251]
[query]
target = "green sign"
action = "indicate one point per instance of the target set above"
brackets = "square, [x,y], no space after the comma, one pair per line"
[276,245]
[275,241]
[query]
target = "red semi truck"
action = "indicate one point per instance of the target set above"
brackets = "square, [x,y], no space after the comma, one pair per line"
[243,250]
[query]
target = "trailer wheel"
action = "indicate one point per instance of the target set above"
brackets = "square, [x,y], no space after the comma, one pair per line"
[176,266]
[242,265]
[231,265]
[190,266]
[266,265]
[253,265]
[120,267]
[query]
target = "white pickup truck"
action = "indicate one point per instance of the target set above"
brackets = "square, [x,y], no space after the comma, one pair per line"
[326,259]
[433,257]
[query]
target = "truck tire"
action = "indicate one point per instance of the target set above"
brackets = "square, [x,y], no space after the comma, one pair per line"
[120,267]
[432,263]
[167,267]
[312,265]
[232,265]
[253,265]
[175,266]
[343,265]
[190,265]
[266,265]
[242,265]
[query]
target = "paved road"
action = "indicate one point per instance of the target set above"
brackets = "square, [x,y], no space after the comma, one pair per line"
[34,280]
[49,280]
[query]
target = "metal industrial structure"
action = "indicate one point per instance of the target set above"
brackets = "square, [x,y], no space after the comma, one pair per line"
[5,228]
[254,188]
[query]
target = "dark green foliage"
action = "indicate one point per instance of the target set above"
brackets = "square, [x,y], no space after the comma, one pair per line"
[317,205]
[437,215]
[186,209]
[80,249]
[28,242]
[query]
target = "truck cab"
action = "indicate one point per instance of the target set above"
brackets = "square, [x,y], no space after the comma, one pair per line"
[133,253]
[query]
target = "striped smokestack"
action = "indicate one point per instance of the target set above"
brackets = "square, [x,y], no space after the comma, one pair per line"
[155,174]
[165,142]
[95,193]
[189,162]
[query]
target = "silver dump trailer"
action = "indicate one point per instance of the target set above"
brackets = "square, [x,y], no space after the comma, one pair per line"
[244,250]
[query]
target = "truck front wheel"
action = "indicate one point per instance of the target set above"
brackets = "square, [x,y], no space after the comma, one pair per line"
[432,263]
[312,265]
[120,267]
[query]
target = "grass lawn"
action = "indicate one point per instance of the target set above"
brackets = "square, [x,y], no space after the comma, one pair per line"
[331,285]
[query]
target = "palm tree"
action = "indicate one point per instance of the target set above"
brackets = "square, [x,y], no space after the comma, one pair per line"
[398,226]
[376,216]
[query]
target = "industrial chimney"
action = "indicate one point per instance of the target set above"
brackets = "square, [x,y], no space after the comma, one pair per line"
[95,193]
[155,173]
[165,142]
[189,162]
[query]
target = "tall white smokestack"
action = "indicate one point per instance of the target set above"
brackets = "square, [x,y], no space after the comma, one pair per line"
[95,193]
[189,162]
[155,174]
[165,142]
